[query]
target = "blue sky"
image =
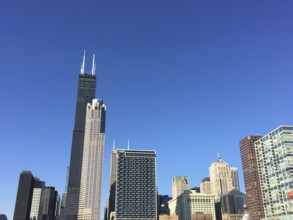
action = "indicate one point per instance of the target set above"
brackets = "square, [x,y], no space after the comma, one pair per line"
[186,78]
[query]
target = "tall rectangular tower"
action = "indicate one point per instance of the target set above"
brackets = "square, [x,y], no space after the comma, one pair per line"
[92,162]
[24,196]
[136,194]
[251,177]
[85,94]
[235,179]
[179,185]
[274,154]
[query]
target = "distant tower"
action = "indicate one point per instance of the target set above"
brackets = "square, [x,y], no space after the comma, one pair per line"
[179,185]
[235,179]
[274,155]
[85,94]
[36,201]
[220,176]
[251,177]
[136,194]
[92,163]
[205,186]
[24,196]
[48,203]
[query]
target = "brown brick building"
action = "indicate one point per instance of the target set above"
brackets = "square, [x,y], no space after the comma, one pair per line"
[251,177]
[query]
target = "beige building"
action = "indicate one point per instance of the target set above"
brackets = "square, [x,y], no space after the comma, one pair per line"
[227,216]
[190,202]
[205,186]
[168,217]
[201,216]
[220,177]
[179,185]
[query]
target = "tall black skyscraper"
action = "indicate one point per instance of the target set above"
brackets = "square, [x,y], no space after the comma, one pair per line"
[24,196]
[85,94]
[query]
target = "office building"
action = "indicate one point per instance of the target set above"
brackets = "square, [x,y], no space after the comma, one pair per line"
[48,203]
[92,164]
[163,206]
[274,154]
[179,185]
[190,202]
[205,186]
[136,194]
[85,94]
[36,200]
[235,178]
[168,217]
[24,196]
[251,177]
[233,202]
[220,177]
[201,216]
[3,217]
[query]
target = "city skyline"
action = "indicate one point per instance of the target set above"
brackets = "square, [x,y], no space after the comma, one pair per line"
[173,76]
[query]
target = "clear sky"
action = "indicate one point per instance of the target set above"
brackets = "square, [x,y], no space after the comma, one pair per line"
[189,79]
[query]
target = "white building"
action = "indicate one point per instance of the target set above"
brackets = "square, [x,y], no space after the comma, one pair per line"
[205,186]
[190,202]
[34,215]
[220,177]
[235,179]
[179,185]
[274,154]
[92,162]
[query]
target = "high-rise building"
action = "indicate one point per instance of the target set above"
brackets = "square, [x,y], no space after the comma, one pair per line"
[274,154]
[220,177]
[190,202]
[205,186]
[251,177]
[3,217]
[92,163]
[136,194]
[36,200]
[233,202]
[235,178]
[179,185]
[48,203]
[163,206]
[24,196]
[85,94]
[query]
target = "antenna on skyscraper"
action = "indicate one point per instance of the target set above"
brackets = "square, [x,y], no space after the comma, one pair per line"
[83,63]
[94,66]
[114,144]
[128,144]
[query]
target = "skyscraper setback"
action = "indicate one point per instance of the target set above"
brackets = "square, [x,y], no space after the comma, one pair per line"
[85,94]
[92,162]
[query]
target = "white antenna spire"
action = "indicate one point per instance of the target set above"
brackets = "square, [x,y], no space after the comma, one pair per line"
[114,144]
[94,66]
[128,144]
[83,63]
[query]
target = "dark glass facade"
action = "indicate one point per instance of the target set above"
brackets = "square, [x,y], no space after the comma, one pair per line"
[24,196]
[86,93]
[136,194]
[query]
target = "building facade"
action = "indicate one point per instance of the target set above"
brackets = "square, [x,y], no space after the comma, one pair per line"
[85,94]
[235,178]
[251,177]
[179,185]
[205,186]
[274,154]
[136,194]
[220,177]
[190,202]
[92,164]
[233,202]
[24,196]
[36,200]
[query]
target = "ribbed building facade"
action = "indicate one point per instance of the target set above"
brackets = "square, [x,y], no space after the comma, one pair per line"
[92,163]
[179,185]
[136,194]
[205,186]
[220,177]
[274,154]
[251,177]
[235,178]
[85,94]
[190,202]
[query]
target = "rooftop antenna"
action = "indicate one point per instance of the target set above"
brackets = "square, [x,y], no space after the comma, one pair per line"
[219,156]
[114,144]
[128,144]
[82,65]
[94,66]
